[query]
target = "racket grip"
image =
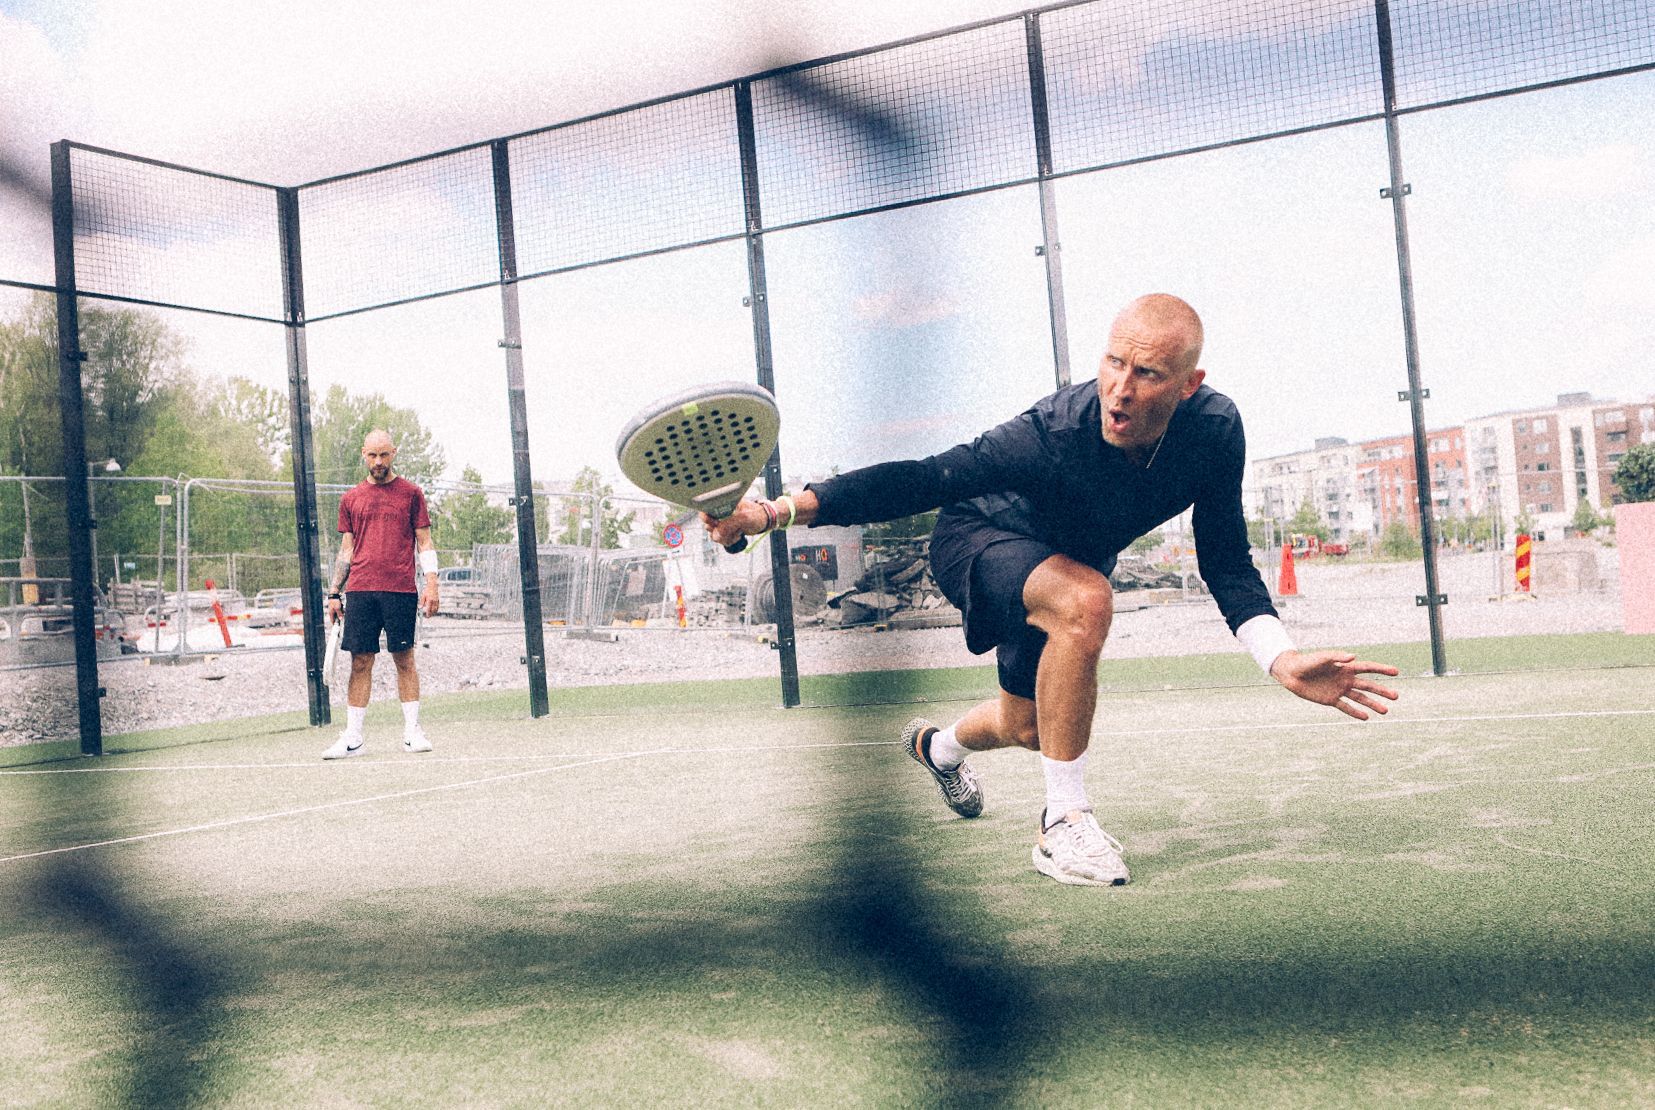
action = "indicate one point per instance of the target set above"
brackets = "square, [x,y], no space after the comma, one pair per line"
[738,547]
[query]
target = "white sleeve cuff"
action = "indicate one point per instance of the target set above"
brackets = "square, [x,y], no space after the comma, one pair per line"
[1265,638]
[428,561]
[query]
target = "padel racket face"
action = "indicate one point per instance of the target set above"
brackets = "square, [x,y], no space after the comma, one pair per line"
[701,448]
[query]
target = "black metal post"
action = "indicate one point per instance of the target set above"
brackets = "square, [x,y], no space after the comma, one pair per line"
[71,411]
[308,536]
[1050,248]
[758,299]
[528,552]
[1396,193]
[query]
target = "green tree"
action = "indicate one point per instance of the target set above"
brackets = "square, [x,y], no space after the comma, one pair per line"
[196,432]
[133,364]
[574,512]
[1586,519]
[1308,521]
[1636,473]
[1399,541]
[342,420]
[462,519]
[903,528]
[1145,543]
[263,410]
[1524,524]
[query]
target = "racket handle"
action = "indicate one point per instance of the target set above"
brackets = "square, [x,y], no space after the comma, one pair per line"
[738,547]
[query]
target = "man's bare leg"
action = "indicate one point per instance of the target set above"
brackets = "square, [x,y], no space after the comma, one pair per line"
[362,679]
[357,692]
[413,737]
[1072,604]
[407,675]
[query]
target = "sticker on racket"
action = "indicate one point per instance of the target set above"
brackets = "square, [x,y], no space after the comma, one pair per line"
[336,630]
[702,448]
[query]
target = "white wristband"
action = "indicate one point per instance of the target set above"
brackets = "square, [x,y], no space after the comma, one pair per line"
[1265,638]
[428,561]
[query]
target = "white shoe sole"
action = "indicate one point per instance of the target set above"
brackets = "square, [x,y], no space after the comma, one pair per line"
[415,751]
[1048,867]
[348,753]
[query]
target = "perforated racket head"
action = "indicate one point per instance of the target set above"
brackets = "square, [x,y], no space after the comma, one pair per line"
[703,447]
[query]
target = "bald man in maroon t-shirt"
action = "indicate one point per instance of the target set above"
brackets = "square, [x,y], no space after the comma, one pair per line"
[381,523]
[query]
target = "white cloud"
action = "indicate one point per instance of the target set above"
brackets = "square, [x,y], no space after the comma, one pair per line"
[1599,172]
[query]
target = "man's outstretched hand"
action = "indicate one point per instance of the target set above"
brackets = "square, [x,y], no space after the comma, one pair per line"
[1334,678]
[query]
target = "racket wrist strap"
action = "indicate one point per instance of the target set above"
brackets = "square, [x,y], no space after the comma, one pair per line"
[792,510]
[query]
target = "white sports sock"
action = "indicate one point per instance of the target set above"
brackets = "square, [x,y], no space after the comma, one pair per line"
[355,717]
[945,752]
[410,716]
[1065,787]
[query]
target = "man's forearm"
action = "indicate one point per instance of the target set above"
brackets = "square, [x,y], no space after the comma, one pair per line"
[341,568]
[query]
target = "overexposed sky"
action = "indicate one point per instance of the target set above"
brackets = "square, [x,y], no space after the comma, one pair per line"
[1532,220]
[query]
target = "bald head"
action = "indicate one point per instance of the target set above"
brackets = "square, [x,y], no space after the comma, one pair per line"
[378,451]
[1172,320]
[1152,364]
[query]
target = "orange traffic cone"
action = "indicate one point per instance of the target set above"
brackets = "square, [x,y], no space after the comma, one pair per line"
[1288,584]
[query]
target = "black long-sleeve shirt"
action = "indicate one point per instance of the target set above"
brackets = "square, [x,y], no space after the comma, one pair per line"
[1048,474]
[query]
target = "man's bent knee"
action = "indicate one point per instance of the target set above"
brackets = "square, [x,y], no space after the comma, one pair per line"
[1070,601]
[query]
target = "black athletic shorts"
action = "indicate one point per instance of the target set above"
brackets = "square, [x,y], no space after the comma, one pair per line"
[368,612]
[988,588]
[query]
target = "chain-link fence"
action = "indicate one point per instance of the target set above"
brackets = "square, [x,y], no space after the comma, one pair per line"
[722,214]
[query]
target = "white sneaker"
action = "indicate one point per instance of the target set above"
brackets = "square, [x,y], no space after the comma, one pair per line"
[347,745]
[413,740]
[1077,852]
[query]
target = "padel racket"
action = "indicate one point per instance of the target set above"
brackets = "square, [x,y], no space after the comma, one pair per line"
[702,448]
[335,631]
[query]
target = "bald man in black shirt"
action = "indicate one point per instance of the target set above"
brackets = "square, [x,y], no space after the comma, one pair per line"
[1034,513]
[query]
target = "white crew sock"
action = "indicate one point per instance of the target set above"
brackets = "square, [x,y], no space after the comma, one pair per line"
[1065,787]
[410,716]
[355,717]
[945,752]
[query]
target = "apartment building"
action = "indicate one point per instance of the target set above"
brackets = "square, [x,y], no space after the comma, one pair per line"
[1543,462]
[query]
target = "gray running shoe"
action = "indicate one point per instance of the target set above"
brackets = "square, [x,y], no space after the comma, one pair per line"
[959,786]
[1077,852]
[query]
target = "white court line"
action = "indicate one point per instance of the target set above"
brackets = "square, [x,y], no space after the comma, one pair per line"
[319,808]
[614,757]
[1540,852]
[431,790]
[1334,722]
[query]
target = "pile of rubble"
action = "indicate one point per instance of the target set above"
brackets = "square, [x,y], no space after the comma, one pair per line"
[897,590]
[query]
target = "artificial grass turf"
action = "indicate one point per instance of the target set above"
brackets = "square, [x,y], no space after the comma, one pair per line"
[1448,907]
[1582,651]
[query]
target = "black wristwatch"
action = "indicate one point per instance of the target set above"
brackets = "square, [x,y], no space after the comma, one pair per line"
[336,597]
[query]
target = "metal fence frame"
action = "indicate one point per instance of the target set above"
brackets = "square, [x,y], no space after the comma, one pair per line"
[1022,47]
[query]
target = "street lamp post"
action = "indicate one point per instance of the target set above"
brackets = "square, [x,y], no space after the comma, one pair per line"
[108,466]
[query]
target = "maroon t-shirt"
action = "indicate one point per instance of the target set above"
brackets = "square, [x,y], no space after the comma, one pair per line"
[381,520]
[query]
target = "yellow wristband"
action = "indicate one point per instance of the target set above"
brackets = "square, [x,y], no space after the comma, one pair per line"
[792,510]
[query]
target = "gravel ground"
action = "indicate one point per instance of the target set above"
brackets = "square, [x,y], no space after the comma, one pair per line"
[1339,604]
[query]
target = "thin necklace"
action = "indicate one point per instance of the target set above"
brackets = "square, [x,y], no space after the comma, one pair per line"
[1157,450]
